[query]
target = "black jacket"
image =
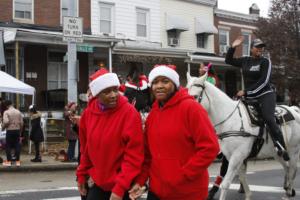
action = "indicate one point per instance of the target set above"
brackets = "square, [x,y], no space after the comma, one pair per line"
[36,133]
[256,72]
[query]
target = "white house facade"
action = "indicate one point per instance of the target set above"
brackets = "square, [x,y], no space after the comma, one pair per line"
[188,24]
[137,20]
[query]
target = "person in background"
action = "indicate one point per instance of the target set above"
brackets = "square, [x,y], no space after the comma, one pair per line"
[71,134]
[207,67]
[13,123]
[112,147]
[180,142]
[36,132]
[137,91]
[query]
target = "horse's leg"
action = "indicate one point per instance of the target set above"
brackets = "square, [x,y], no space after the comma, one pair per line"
[291,174]
[215,188]
[235,163]
[243,180]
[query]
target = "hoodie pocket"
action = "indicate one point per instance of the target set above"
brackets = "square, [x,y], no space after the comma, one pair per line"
[172,176]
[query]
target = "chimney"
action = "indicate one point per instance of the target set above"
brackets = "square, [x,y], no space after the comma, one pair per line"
[254,10]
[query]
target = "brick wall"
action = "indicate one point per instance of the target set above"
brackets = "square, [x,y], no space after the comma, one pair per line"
[46,12]
[233,33]
[6,10]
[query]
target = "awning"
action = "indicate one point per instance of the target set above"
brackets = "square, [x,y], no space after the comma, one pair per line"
[2,57]
[52,37]
[176,23]
[197,59]
[205,26]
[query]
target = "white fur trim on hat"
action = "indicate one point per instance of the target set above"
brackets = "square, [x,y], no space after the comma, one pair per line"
[164,71]
[104,81]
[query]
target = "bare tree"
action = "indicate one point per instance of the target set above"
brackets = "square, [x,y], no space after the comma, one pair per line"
[281,32]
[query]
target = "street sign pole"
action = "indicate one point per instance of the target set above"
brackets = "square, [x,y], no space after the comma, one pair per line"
[72,58]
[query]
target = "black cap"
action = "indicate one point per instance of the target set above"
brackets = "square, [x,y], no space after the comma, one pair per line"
[257,43]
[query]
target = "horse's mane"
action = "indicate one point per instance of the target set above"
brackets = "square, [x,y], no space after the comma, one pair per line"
[217,93]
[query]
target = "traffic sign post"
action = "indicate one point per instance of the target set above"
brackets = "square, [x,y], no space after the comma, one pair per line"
[72,29]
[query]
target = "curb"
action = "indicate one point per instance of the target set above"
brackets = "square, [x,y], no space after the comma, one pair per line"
[39,167]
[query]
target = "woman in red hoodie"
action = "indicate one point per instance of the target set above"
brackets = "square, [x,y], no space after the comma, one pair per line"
[110,132]
[180,142]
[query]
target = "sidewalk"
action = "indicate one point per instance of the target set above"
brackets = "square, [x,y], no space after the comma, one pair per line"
[48,164]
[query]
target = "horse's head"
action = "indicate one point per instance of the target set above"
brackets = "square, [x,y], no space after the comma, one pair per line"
[196,88]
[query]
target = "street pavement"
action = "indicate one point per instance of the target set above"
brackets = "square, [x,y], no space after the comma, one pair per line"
[265,178]
[49,162]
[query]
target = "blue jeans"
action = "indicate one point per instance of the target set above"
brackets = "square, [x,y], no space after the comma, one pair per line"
[71,149]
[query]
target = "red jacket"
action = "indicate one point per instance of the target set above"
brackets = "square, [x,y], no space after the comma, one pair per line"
[112,146]
[180,146]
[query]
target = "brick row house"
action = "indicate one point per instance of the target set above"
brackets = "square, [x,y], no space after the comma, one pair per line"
[231,25]
[119,34]
[32,31]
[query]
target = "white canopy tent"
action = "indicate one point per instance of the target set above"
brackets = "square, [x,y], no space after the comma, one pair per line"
[10,84]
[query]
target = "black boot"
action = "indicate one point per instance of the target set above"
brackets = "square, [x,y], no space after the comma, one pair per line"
[36,159]
[212,192]
[280,144]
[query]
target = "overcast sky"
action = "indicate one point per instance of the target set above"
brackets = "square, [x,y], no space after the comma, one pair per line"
[243,6]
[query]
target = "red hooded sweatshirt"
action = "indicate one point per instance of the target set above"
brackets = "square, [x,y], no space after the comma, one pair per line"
[112,146]
[180,145]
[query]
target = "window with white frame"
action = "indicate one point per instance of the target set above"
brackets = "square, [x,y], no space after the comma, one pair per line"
[23,9]
[246,44]
[57,72]
[223,41]
[142,22]
[106,17]
[64,9]
[202,40]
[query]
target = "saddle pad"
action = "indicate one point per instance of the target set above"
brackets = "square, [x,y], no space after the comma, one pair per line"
[283,115]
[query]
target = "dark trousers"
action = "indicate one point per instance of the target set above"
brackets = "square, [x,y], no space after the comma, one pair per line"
[152,196]
[96,193]
[37,150]
[71,149]
[13,142]
[267,104]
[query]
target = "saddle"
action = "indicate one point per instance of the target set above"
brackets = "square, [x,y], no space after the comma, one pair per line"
[282,115]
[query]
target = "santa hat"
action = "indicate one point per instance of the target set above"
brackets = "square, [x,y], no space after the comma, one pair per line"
[101,80]
[164,70]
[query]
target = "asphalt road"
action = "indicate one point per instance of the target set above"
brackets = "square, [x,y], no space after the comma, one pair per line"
[265,179]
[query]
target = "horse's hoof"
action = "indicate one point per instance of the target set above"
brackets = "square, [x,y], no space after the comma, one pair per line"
[292,193]
[241,189]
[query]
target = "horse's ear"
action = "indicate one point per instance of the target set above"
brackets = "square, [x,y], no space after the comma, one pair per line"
[188,76]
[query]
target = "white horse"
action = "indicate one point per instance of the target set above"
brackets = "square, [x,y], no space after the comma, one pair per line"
[232,124]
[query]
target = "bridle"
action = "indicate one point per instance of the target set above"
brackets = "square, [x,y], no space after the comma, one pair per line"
[223,135]
[200,96]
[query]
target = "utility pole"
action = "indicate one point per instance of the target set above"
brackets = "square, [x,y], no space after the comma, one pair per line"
[72,59]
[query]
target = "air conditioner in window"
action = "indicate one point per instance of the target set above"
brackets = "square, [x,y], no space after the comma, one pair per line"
[223,49]
[173,42]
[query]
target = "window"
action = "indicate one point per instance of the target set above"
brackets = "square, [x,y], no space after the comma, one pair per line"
[173,38]
[246,44]
[201,40]
[223,41]
[142,16]
[64,6]
[23,9]
[57,71]
[106,18]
